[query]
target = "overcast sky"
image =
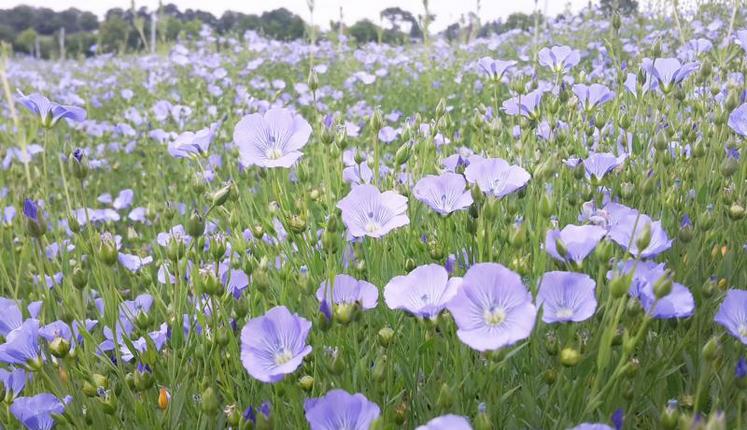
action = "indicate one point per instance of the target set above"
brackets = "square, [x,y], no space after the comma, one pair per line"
[447,11]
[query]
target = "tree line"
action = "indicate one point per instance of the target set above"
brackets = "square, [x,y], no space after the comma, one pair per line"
[37,31]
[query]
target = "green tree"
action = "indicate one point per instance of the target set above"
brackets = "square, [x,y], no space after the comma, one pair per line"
[282,24]
[364,31]
[26,40]
[519,20]
[624,7]
[113,34]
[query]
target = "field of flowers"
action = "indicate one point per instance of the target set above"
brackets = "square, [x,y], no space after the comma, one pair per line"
[537,230]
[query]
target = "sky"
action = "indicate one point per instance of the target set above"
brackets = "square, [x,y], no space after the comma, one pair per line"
[447,11]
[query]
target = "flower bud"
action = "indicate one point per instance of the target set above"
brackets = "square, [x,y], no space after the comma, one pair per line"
[306,383]
[644,237]
[209,403]
[385,336]
[379,368]
[569,357]
[376,121]
[736,212]
[663,286]
[669,416]
[221,196]
[195,225]
[163,398]
[550,376]
[78,164]
[402,154]
[445,397]
[108,249]
[59,347]
[711,349]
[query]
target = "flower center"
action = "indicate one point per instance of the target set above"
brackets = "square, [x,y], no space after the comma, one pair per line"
[274,153]
[743,330]
[494,316]
[283,356]
[372,227]
[564,313]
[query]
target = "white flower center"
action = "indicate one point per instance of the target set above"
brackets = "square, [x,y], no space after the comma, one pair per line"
[372,227]
[564,313]
[743,330]
[283,356]
[494,316]
[273,153]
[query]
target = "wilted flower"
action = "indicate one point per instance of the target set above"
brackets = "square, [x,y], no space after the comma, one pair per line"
[50,112]
[566,296]
[274,344]
[339,409]
[424,292]
[271,140]
[492,308]
[368,212]
[732,314]
[444,194]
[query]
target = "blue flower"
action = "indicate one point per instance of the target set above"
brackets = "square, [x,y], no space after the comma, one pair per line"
[50,112]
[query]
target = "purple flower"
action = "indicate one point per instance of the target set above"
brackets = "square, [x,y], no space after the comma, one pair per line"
[591,96]
[492,308]
[50,112]
[632,228]
[13,381]
[444,194]
[274,344]
[271,140]
[10,316]
[447,422]
[740,370]
[598,164]
[387,134]
[576,242]
[368,212]
[679,303]
[524,104]
[592,426]
[559,58]
[493,68]
[496,177]
[741,38]
[339,409]
[566,296]
[21,345]
[668,71]
[190,143]
[31,210]
[348,291]
[732,314]
[738,119]
[36,413]
[424,292]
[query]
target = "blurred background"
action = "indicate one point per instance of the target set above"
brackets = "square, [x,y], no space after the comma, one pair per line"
[64,28]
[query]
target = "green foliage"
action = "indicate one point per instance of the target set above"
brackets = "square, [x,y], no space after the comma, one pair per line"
[26,40]
[364,31]
[623,7]
[114,34]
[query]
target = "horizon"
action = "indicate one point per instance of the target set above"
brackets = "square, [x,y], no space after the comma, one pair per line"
[447,11]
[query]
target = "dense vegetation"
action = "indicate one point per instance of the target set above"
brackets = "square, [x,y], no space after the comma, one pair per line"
[542,228]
